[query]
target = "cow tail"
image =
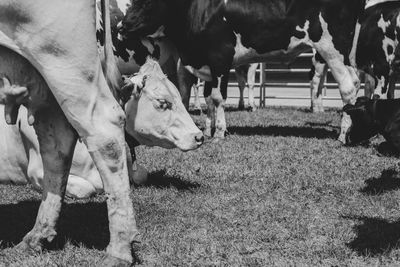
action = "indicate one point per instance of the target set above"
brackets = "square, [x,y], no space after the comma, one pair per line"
[110,69]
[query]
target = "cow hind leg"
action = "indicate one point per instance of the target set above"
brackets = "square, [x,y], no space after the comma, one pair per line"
[240,73]
[210,119]
[251,81]
[317,86]
[219,95]
[57,140]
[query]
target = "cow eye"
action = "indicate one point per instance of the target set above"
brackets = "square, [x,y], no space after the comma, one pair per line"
[164,104]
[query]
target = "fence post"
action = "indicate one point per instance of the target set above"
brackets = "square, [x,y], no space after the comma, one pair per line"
[262,85]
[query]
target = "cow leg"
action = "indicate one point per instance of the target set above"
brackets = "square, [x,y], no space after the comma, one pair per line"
[57,140]
[241,73]
[392,86]
[369,85]
[219,95]
[196,91]
[210,119]
[381,88]
[317,85]
[251,81]
[186,80]
[345,76]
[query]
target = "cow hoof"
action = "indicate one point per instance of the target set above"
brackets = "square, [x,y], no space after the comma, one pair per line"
[110,261]
[219,135]
[342,139]
[26,248]
[140,175]
[207,133]
[252,108]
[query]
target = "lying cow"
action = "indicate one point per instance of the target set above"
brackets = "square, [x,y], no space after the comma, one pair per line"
[373,116]
[212,36]
[168,128]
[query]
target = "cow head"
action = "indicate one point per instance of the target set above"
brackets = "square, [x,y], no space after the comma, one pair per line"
[155,112]
[364,125]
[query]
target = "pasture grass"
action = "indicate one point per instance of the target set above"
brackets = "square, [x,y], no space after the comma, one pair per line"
[279,191]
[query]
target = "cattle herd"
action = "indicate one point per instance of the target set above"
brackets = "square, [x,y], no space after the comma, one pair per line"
[117,73]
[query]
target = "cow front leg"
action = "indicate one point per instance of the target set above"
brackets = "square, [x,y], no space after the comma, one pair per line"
[210,118]
[240,73]
[196,91]
[186,80]
[218,95]
[317,86]
[107,147]
[251,81]
[345,76]
[57,140]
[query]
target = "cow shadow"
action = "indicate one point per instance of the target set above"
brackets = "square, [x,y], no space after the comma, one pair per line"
[80,224]
[388,181]
[374,236]
[284,131]
[161,180]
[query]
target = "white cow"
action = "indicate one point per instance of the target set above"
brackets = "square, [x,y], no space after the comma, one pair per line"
[51,44]
[22,163]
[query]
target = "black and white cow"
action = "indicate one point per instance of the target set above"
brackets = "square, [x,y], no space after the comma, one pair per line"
[377,52]
[212,36]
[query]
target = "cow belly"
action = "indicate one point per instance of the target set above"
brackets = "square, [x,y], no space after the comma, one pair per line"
[13,158]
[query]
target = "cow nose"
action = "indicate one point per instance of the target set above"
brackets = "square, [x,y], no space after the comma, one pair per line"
[199,139]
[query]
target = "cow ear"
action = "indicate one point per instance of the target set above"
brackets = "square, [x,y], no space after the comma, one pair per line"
[133,86]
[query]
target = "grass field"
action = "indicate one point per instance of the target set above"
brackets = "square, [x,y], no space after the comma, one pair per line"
[279,191]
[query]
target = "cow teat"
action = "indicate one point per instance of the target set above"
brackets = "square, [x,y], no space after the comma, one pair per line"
[12,96]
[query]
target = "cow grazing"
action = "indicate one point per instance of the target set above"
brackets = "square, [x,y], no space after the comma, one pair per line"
[212,36]
[170,128]
[58,38]
[373,116]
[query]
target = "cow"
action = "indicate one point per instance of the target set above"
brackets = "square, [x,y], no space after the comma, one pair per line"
[377,55]
[52,45]
[374,116]
[212,36]
[20,148]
